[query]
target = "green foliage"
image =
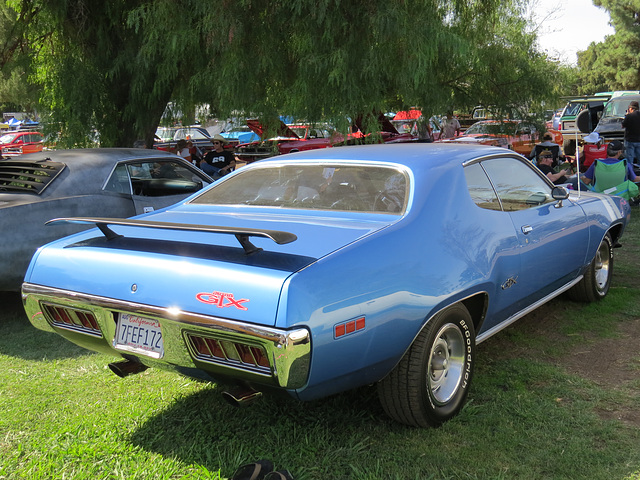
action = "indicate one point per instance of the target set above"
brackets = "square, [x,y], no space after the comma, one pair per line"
[614,63]
[113,66]
[17,94]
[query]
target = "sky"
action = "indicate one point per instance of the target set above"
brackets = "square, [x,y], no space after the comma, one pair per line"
[569,26]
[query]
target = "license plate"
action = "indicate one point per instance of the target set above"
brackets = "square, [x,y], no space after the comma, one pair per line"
[139,335]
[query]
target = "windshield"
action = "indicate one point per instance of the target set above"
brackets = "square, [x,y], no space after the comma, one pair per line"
[8,138]
[489,128]
[360,188]
[617,107]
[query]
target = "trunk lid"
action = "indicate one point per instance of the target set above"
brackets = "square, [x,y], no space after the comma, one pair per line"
[200,272]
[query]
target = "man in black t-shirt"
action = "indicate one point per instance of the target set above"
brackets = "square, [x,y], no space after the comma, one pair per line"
[545,164]
[218,162]
[631,124]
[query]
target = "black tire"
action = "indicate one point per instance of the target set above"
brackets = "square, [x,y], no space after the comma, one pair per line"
[597,279]
[431,382]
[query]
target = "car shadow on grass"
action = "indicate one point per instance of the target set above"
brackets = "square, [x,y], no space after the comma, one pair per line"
[204,429]
[18,338]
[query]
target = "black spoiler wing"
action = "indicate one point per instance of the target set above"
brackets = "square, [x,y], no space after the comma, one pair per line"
[242,234]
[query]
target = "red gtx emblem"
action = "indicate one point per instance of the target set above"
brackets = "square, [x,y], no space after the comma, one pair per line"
[221,300]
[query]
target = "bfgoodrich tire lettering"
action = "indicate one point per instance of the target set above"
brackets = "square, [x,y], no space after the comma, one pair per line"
[431,382]
[597,279]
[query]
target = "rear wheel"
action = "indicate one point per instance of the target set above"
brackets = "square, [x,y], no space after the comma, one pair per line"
[597,279]
[431,382]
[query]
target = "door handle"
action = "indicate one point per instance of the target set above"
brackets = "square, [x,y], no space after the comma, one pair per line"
[527,229]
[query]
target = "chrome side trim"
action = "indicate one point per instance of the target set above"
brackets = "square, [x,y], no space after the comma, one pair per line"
[529,309]
[289,351]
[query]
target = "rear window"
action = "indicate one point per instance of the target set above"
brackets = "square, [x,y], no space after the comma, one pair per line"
[29,177]
[359,188]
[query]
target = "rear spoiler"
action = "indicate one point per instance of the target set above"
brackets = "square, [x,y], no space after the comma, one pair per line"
[242,234]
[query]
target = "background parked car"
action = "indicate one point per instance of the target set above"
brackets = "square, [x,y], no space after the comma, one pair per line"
[103,182]
[609,126]
[198,135]
[291,138]
[513,134]
[17,143]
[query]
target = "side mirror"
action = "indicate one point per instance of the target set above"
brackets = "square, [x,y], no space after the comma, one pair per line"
[559,193]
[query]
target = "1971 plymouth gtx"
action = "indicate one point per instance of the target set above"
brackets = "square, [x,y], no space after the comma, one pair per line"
[321,271]
[97,181]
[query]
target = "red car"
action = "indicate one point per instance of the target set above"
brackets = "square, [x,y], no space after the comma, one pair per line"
[513,134]
[299,137]
[17,143]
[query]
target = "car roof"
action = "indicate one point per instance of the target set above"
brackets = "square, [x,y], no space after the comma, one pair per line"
[86,169]
[416,156]
[97,155]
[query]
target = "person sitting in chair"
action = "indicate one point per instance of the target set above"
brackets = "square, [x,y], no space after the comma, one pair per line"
[546,144]
[614,154]
[545,164]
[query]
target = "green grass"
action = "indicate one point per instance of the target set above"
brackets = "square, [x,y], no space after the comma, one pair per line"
[64,415]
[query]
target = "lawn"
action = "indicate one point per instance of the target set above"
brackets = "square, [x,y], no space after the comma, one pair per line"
[555,396]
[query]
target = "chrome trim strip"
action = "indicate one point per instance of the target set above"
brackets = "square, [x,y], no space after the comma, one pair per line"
[522,313]
[289,351]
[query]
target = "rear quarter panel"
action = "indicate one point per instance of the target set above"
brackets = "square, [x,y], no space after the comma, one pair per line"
[397,279]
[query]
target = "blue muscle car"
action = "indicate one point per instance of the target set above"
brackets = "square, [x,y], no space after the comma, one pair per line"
[331,269]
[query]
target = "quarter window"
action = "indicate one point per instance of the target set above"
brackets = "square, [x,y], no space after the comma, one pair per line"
[480,188]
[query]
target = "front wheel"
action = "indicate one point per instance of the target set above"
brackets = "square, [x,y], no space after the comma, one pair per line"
[597,279]
[431,382]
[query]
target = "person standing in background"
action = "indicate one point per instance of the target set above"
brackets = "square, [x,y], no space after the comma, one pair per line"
[451,127]
[631,125]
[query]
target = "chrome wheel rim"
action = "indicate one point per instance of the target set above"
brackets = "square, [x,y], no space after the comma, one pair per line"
[602,266]
[446,364]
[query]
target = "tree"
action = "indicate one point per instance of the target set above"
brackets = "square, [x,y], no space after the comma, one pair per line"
[113,66]
[614,63]
[16,92]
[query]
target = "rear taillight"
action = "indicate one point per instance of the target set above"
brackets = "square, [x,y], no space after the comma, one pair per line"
[71,319]
[229,352]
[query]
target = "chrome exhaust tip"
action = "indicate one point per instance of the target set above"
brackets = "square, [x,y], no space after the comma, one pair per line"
[125,368]
[241,396]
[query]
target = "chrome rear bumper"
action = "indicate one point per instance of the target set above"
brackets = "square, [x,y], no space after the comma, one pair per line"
[222,347]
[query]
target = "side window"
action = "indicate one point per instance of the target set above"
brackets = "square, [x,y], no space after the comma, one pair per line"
[480,188]
[517,184]
[159,177]
[119,180]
